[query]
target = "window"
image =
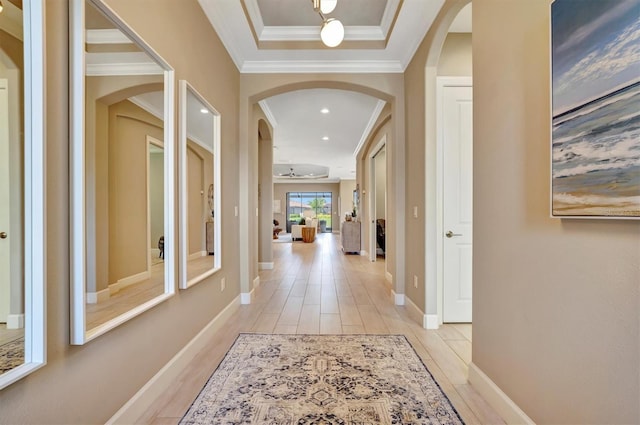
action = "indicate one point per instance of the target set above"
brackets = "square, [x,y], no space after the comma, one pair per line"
[310,204]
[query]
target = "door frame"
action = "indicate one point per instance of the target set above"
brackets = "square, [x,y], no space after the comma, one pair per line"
[441,83]
[372,197]
[151,141]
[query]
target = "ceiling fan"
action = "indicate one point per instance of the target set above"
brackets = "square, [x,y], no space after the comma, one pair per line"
[289,174]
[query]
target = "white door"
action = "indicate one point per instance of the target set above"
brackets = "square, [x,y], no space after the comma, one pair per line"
[5,197]
[457,195]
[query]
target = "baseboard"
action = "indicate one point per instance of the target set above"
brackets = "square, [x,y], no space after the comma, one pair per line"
[501,403]
[15,321]
[389,277]
[98,297]
[398,299]
[129,280]
[138,405]
[414,311]
[265,266]
[431,321]
[245,297]
[364,253]
[197,255]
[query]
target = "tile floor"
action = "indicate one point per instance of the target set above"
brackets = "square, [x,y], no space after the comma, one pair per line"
[315,288]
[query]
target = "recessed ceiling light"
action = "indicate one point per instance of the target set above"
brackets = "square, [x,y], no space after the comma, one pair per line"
[204,111]
[324,110]
[325,138]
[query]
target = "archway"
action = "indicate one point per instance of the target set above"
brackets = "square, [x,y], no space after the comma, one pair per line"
[449,12]
[257,88]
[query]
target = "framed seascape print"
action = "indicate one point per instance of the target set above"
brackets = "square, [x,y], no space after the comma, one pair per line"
[595,135]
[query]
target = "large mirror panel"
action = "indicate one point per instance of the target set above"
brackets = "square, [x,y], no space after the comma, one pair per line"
[22,322]
[199,153]
[122,173]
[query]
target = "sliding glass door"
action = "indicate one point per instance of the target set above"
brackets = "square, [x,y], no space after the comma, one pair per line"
[309,204]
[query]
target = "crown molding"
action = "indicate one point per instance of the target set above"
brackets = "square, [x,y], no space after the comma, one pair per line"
[319,66]
[129,63]
[107,36]
[267,113]
[372,121]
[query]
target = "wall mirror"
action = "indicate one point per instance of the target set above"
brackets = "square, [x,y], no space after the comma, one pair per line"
[22,242]
[122,173]
[199,153]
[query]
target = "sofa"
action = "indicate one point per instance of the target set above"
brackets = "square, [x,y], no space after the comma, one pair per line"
[296,229]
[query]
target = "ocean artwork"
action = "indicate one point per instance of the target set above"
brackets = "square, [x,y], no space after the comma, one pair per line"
[595,60]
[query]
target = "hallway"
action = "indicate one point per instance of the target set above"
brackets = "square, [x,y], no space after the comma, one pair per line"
[315,288]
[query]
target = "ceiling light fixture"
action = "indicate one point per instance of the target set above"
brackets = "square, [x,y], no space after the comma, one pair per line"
[324,111]
[325,138]
[332,30]
[204,111]
[2,7]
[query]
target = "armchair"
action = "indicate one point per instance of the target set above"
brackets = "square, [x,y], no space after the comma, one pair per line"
[296,229]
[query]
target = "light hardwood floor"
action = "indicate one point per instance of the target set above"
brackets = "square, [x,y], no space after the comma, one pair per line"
[314,288]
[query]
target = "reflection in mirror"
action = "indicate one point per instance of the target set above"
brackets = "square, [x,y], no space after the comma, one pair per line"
[199,148]
[122,181]
[21,191]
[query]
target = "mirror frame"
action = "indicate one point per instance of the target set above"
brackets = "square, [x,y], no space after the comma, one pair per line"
[34,195]
[184,282]
[79,334]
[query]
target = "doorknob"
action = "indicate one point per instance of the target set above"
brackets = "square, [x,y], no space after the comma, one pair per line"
[450,234]
[3,235]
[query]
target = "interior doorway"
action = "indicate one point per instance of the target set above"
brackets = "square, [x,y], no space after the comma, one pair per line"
[378,200]
[455,198]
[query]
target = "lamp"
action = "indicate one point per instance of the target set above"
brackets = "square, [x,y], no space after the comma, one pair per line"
[1,6]
[332,30]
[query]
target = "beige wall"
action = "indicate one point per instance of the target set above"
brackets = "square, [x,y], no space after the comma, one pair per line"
[420,173]
[556,302]
[455,58]
[127,156]
[346,197]
[265,192]
[88,384]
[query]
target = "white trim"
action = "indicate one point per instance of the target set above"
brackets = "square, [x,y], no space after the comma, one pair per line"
[268,113]
[398,299]
[434,233]
[125,63]
[77,165]
[431,321]
[166,377]
[35,231]
[185,90]
[197,255]
[98,297]
[265,266]
[496,398]
[107,36]
[367,131]
[245,297]
[318,66]
[15,321]
[364,253]
[128,281]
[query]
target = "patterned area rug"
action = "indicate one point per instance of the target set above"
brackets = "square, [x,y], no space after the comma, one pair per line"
[321,379]
[11,354]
